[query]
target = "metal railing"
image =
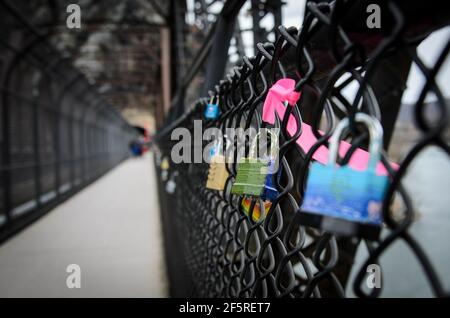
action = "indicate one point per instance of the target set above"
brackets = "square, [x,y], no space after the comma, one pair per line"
[214,248]
[56,132]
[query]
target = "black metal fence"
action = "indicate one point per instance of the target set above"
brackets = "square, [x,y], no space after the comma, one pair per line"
[56,133]
[214,248]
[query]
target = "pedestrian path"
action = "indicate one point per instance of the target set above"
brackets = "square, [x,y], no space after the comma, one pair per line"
[111,230]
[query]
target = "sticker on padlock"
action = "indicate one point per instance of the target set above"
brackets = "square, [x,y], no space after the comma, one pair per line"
[256,214]
[252,172]
[270,192]
[217,174]
[212,110]
[344,201]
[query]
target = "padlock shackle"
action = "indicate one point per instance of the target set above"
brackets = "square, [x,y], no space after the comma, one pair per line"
[375,133]
[218,144]
[212,99]
[273,144]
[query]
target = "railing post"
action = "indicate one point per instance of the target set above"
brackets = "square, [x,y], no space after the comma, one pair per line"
[6,158]
[215,67]
[36,135]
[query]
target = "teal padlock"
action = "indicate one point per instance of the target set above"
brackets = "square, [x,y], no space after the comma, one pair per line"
[344,201]
[212,110]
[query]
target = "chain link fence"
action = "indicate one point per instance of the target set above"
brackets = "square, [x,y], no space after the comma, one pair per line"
[215,248]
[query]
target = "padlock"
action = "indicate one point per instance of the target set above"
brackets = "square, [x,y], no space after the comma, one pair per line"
[270,192]
[165,164]
[344,201]
[164,169]
[171,185]
[164,175]
[252,172]
[268,195]
[212,109]
[217,174]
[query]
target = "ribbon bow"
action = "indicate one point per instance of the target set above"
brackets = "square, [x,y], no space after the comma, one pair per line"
[283,91]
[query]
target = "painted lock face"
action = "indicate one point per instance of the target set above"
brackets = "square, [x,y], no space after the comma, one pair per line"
[252,172]
[212,110]
[342,200]
[270,192]
[258,213]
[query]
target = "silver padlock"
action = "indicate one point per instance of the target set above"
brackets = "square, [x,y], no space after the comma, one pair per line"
[164,175]
[171,185]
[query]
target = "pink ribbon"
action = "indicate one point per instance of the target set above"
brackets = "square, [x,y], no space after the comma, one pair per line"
[283,91]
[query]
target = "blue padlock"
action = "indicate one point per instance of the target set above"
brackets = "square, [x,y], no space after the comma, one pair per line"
[270,192]
[344,201]
[212,110]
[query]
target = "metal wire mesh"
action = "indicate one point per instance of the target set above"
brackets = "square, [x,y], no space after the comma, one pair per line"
[217,250]
[56,132]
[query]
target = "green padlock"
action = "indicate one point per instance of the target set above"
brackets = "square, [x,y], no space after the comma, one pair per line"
[252,171]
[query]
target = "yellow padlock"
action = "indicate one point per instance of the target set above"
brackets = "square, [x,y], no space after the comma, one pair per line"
[218,174]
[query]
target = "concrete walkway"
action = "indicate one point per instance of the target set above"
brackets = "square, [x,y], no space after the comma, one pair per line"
[111,230]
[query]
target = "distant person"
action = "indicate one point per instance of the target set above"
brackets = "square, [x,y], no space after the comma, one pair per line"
[136,147]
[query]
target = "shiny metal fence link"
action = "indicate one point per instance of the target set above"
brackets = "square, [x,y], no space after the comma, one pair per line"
[226,252]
